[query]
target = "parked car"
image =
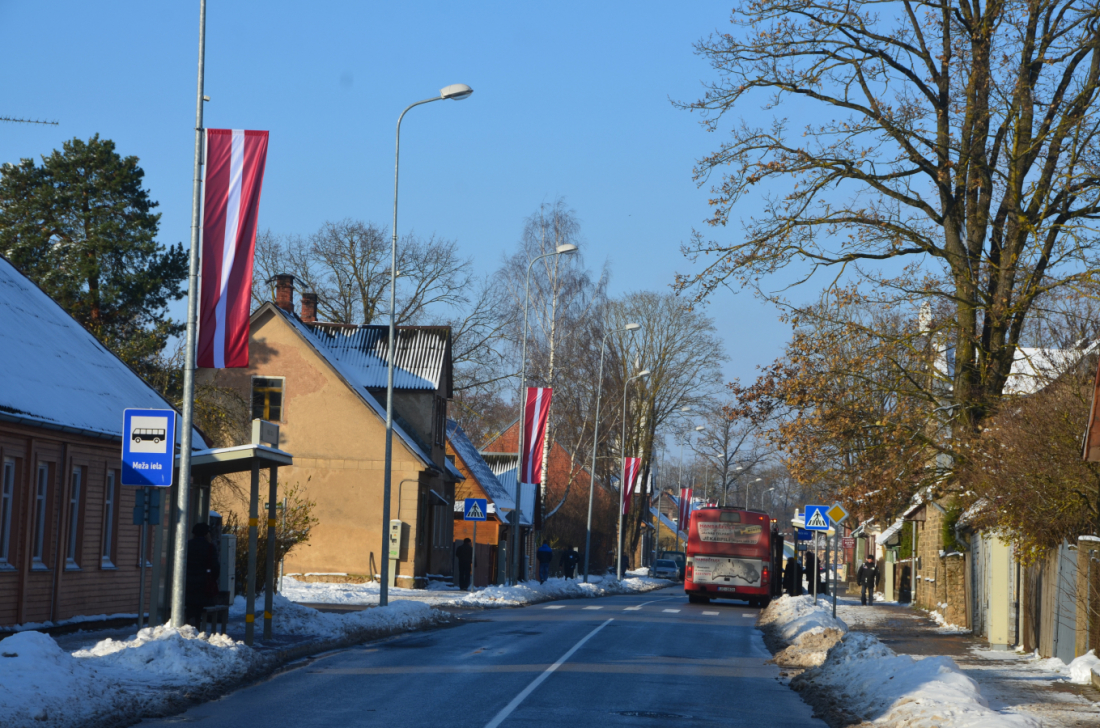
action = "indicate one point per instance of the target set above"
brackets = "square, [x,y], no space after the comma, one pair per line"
[665,569]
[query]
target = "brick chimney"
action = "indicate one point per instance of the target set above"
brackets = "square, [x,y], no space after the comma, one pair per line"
[284,292]
[309,307]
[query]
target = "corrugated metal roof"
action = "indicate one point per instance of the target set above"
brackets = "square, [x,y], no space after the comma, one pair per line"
[420,362]
[504,467]
[56,374]
[481,471]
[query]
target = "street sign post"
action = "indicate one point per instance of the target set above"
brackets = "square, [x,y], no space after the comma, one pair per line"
[146,513]
[474,509]
[148,447]
[816,518]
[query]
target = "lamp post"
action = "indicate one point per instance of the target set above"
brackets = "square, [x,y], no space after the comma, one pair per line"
[596,443]
[769,490]
[513,557]
[748,495]
[622,486]
[456,92]
[680,484]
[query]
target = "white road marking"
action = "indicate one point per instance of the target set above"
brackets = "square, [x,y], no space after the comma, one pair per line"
[632,609]
[671,611]
[555,606]
[748,615]
[593,607]
[507,710]
[711,614]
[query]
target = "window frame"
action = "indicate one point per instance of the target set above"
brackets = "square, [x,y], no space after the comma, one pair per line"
[109,542]
[74,538]
[267,403]
[41,522]
[8,477]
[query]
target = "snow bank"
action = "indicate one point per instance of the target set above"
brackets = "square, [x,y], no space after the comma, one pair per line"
[854,673]
[869,679]
[294,619]
[1078,671]
[41,685]
[531,592]
[527,592]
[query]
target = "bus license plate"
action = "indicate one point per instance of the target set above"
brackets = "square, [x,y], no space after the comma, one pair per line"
[727,588]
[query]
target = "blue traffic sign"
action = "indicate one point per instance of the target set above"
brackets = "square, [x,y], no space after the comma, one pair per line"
[148,447]
[474,509]
[804,535]
[816,518]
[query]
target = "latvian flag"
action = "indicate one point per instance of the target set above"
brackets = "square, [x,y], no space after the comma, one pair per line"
[685,508]
[536,413]
[631,467]
[235,161]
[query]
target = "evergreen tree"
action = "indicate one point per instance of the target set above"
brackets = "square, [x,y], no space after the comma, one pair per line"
[81,227]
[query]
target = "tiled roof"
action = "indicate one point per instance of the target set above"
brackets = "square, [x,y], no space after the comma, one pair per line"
[55,374]
[481,471]
[422,356]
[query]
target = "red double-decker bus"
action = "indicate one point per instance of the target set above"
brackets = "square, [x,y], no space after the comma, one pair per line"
[730,554]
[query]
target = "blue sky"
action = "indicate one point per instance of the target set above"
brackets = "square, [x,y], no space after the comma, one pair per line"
[571,99]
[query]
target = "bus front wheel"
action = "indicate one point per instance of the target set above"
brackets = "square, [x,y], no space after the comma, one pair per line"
[696,599]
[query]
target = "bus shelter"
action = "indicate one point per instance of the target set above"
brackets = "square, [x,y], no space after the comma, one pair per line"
[205,466]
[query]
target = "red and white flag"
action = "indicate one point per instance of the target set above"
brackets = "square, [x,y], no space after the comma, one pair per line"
[631,468]
[685,508]
[536,413]
[235,161]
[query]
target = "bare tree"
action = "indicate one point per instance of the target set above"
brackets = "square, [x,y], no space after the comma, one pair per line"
[956,137]
[734,447]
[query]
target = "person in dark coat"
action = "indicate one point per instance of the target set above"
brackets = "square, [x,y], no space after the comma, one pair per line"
[465,555]
[203,570]
[569,562]
[867,578]
[792,577]
[545,555]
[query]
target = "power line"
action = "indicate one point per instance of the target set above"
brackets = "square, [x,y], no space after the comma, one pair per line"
[27,121]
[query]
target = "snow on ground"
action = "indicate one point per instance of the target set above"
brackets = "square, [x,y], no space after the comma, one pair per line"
[1078,671]
[868,679]
[527,592]
[65,622]
[117,680]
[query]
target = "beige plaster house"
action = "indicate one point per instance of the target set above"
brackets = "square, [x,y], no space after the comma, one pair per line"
[325,385]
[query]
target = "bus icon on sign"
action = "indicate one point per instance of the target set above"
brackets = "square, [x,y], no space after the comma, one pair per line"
[143,434]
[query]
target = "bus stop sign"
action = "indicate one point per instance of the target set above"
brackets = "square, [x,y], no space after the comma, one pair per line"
[148,447]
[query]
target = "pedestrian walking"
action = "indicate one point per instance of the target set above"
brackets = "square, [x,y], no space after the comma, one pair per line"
[545,555]
[867,578]
[465,555]
[203,570]
[569,561]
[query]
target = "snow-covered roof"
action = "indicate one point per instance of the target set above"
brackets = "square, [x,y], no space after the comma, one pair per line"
[669,523]
[351,377]
[1034,368]
[477,466]
[56,374]
[887,534]
[503,465]
[420,360]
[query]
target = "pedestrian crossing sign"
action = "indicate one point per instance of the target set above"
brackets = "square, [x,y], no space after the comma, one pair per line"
[474,509]
[816,518]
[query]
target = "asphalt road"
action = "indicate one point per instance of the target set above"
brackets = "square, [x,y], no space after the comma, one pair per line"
[644,660]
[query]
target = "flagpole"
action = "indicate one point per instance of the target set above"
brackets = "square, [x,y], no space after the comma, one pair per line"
[179,569]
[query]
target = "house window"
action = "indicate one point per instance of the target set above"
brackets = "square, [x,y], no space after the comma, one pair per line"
[71,551]
[109,521]
[7,493]
[42,487]
[267,398]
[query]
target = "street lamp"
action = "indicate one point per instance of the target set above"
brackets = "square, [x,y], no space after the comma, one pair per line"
[456,92]
[513,557]
[631,327]
[622,486]
[680,483]
[769,490]
[748,496]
